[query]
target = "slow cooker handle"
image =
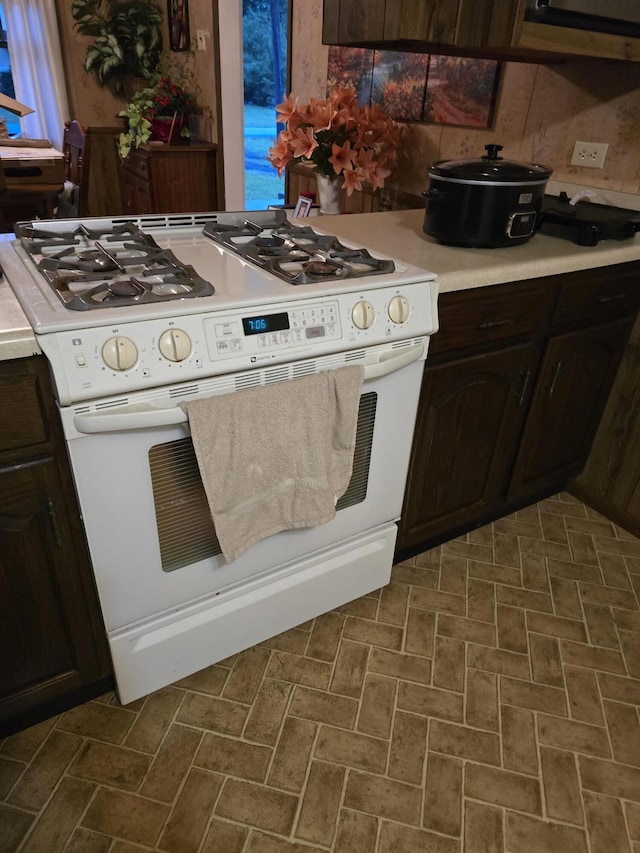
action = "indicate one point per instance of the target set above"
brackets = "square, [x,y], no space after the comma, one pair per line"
[434,195]
[492,152]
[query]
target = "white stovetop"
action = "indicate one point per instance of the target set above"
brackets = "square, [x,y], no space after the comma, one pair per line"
[399,234]
[238,284]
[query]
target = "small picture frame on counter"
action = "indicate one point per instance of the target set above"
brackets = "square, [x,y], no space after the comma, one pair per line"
[303,206]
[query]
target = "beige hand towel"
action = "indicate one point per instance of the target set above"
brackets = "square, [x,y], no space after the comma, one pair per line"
[276,457]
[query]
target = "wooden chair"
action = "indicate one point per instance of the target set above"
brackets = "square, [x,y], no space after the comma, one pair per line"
[93,166]
[73,148]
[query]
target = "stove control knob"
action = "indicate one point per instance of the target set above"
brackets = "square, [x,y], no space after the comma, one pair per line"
[120,353]
[175,345]
[363,315]
[398,310]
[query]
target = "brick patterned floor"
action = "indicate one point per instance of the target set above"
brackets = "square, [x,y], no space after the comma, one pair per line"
[486,700]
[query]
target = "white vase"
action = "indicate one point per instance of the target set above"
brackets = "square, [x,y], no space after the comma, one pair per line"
[329,194]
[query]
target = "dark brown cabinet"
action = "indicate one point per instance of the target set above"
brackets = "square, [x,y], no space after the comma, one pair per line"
[610,481]
[389,20]
[466,432]
[465,27]
[158,178]
[54,649]
[514,387]
[573,384]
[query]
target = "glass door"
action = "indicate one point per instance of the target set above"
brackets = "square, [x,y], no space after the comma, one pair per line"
[265,47]
[253,38]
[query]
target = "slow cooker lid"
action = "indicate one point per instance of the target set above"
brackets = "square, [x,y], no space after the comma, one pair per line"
[490,168]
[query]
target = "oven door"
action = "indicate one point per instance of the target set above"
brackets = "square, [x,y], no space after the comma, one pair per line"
[150,534]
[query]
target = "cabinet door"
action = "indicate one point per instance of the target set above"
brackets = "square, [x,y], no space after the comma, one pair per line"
[355,21]
[573,384]
[430,20]
[466,432]
[182,179]
[45,627]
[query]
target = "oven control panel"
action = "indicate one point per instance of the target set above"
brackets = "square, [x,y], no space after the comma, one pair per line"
[104,360]
[267,332]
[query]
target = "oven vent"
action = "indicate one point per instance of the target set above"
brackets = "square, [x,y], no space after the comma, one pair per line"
[204,218]
[276,374]
[174,220]
[247,380]
[304,368]
[184,391]
[113,404]
[356,355]
[81,410]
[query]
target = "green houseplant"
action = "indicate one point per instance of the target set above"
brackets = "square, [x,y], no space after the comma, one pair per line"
[128,39]
[160,111]
[138,123]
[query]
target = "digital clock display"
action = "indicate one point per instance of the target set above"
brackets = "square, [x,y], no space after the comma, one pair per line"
[265,323]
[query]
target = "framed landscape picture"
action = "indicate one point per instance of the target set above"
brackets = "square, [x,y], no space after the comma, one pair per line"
[351,66]
[452,90]
[398,83]
[460,90]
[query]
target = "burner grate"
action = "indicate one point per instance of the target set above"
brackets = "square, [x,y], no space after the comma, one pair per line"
[109,266]
[297,254]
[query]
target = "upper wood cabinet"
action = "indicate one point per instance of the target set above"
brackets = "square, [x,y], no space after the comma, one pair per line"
[465,27]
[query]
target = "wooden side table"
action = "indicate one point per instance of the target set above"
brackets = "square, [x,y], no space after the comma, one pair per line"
[160,178]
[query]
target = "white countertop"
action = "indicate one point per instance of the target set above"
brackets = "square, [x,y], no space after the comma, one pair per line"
[399,235]
[16,335]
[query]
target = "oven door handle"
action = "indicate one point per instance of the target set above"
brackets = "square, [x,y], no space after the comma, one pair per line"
[144,415]
[391,360]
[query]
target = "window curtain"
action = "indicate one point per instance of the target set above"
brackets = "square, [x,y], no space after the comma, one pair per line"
[36,64]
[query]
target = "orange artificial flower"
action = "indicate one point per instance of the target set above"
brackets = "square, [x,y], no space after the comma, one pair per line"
[338,138]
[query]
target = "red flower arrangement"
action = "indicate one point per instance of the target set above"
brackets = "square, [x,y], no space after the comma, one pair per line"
[339,138]
[170,99]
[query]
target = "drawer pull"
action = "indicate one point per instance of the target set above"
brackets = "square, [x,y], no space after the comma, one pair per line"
[526,375]
[493,324]
[613,297]
[53,518]
[556,373]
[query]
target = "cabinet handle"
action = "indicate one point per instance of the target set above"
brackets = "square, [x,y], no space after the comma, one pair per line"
[53,518]
[526,375]
[612,297]
[556,373]
[492,324]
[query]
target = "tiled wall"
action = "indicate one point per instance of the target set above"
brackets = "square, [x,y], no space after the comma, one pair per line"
[541,112]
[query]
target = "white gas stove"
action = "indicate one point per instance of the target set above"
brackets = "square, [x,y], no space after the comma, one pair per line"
[137,317]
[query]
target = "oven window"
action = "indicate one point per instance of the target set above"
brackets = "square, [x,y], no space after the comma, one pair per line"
[185,528]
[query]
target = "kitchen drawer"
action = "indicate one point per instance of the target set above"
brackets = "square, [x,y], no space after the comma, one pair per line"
[598,294]
[137,163]
[487,314]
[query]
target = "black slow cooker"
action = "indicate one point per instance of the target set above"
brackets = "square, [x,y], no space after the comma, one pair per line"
[486,202]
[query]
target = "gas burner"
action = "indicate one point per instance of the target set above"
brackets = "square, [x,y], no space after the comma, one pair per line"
[109,266]
[82,292]
[362,261]
[297,254]
[309,271]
